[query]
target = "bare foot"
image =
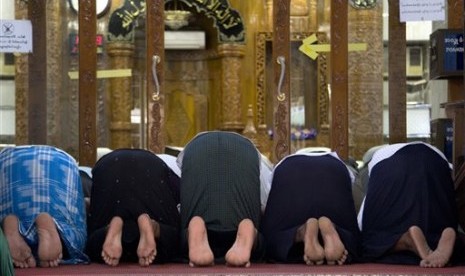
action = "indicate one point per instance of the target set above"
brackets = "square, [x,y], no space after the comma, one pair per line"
[313,251]
[147,248]
[413,240]
[50,247]
[440,256]
[240,251]
[335,252]
[112,248]
[200,253]
[20,251]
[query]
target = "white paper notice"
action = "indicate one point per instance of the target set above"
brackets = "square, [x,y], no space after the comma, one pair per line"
[15,36]
[422,10]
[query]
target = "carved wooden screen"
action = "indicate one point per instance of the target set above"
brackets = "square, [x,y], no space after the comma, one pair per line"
[309,79]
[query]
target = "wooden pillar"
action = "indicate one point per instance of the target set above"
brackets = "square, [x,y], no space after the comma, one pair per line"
[21,84]
[365,80]
[339,78]
[281,65]
[455,14]
[120,54]
[56,49]
[455,110]
[456,95]
[155,35]
[87,83]
[397,76]
[231,101]
[37,96]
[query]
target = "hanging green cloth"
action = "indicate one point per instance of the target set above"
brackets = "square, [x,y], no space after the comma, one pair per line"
[6,264]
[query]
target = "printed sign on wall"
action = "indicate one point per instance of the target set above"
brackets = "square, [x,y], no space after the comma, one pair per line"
[15,36]
[422,10]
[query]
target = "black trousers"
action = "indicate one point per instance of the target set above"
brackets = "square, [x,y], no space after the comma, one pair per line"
[128,183]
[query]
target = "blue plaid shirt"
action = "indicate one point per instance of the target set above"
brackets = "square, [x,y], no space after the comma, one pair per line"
[35,179]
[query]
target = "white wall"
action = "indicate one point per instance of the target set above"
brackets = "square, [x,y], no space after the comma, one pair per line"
[7,9]
[414,31]
[7,107]
[7,87]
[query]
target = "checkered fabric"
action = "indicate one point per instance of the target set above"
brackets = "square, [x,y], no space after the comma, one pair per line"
[35,179]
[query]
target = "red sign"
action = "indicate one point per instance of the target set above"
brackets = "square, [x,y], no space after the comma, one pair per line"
[74,43]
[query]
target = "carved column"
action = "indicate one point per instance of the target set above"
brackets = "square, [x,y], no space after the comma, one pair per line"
[250,131]
[313,16]
[231,101]
[21,84]
[365,80]
[269,15]
[299,16]
[120,54]
[55,52]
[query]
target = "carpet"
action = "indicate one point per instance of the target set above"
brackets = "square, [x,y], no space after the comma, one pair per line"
[254,269]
